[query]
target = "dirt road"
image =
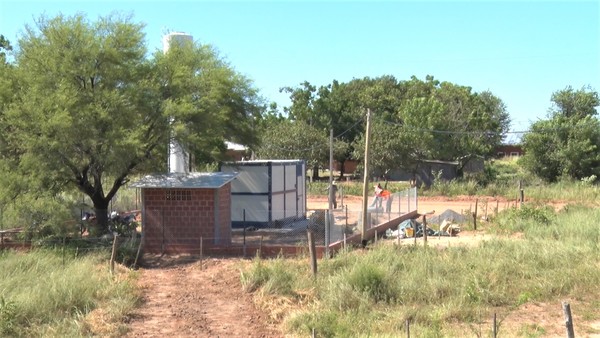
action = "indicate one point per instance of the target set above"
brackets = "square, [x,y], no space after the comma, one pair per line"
[189,298]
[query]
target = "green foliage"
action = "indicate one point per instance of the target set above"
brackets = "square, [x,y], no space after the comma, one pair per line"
[294,140]
[40,217]
[567,144]
[403,114]
[72,288]
[269,278]
[7,316]
[518,219]
[89,110]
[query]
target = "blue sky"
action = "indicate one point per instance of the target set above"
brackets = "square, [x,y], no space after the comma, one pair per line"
[522,51]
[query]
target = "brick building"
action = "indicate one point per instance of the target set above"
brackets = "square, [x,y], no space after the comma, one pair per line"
[509,150]
[179,210]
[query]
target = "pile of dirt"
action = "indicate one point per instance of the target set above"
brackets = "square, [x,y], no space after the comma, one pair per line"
[449,215]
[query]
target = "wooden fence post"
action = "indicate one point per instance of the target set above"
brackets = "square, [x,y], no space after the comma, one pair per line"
[313,253]
[408,328]
[495,327]
[424,230]
[475,215]
[201,251]
[113,254]
[568,320]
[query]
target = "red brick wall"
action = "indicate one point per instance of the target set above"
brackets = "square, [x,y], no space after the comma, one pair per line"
[177,225]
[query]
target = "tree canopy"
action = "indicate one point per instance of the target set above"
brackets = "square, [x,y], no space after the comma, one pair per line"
[90,109]
[414,120]
[567,144]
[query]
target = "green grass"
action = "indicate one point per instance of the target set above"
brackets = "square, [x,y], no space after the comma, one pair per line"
[48,294]
[373,293]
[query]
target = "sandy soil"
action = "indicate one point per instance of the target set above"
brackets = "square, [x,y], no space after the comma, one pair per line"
[183,297]
[189,298]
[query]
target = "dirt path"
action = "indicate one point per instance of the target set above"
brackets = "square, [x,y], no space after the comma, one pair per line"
[184,298]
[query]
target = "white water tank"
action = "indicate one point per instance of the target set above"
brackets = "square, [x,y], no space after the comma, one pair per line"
[178,159]
[175,37]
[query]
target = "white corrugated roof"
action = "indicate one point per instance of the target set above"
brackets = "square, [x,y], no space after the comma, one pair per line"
[185,180]
[235,146]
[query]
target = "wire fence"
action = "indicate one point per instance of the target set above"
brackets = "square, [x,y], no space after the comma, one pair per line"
[283,229]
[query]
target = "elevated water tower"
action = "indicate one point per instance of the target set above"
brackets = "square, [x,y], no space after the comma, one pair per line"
[178,160]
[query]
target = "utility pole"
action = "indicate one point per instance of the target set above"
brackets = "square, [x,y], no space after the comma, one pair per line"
[331,192]
[328,222]
[366,177]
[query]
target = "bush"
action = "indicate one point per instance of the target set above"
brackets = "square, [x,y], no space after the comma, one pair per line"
[8,313]
[270,279]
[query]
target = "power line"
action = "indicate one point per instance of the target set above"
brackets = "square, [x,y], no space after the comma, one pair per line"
[352,127]
[483,132]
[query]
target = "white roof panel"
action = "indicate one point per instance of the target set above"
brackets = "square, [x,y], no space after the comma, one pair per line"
[185,180]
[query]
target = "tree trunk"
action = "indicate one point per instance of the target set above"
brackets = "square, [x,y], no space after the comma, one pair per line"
[315,173]
[101,209]
[342,168]
[101,226]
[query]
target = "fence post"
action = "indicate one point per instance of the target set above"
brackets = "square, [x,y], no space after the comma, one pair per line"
[137,255]
[244,232]
[424,230]
[495,327]
[416,198]
[346,227]
[522,198]
[475,215]
[399,204]
[201,252]
[113,254]
[408,328]
[568,320]
[162,216]
[327,231]
[312,252]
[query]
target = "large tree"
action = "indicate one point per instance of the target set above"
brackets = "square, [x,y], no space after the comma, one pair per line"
[426,119]
[433,120]
[91,109]
[286,139]
[568,142]
[342,106]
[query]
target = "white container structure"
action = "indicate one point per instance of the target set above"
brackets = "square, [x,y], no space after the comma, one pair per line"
[271,192]
[179,161]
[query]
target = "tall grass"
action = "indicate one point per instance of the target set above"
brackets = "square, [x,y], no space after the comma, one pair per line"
[50,295]
[373,293]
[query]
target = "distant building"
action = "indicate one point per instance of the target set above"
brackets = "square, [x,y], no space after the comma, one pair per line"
[509,150]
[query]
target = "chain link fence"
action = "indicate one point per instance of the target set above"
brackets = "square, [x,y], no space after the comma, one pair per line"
[327,227]
[261,230]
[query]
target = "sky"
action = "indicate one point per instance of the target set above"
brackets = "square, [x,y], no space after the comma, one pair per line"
[521,51]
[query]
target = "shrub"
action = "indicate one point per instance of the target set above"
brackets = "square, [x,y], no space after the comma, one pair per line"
[8,313]
[269,278]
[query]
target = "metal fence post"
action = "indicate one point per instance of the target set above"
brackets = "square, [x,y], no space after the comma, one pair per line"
[416,199]
[244,224]
[327,232]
